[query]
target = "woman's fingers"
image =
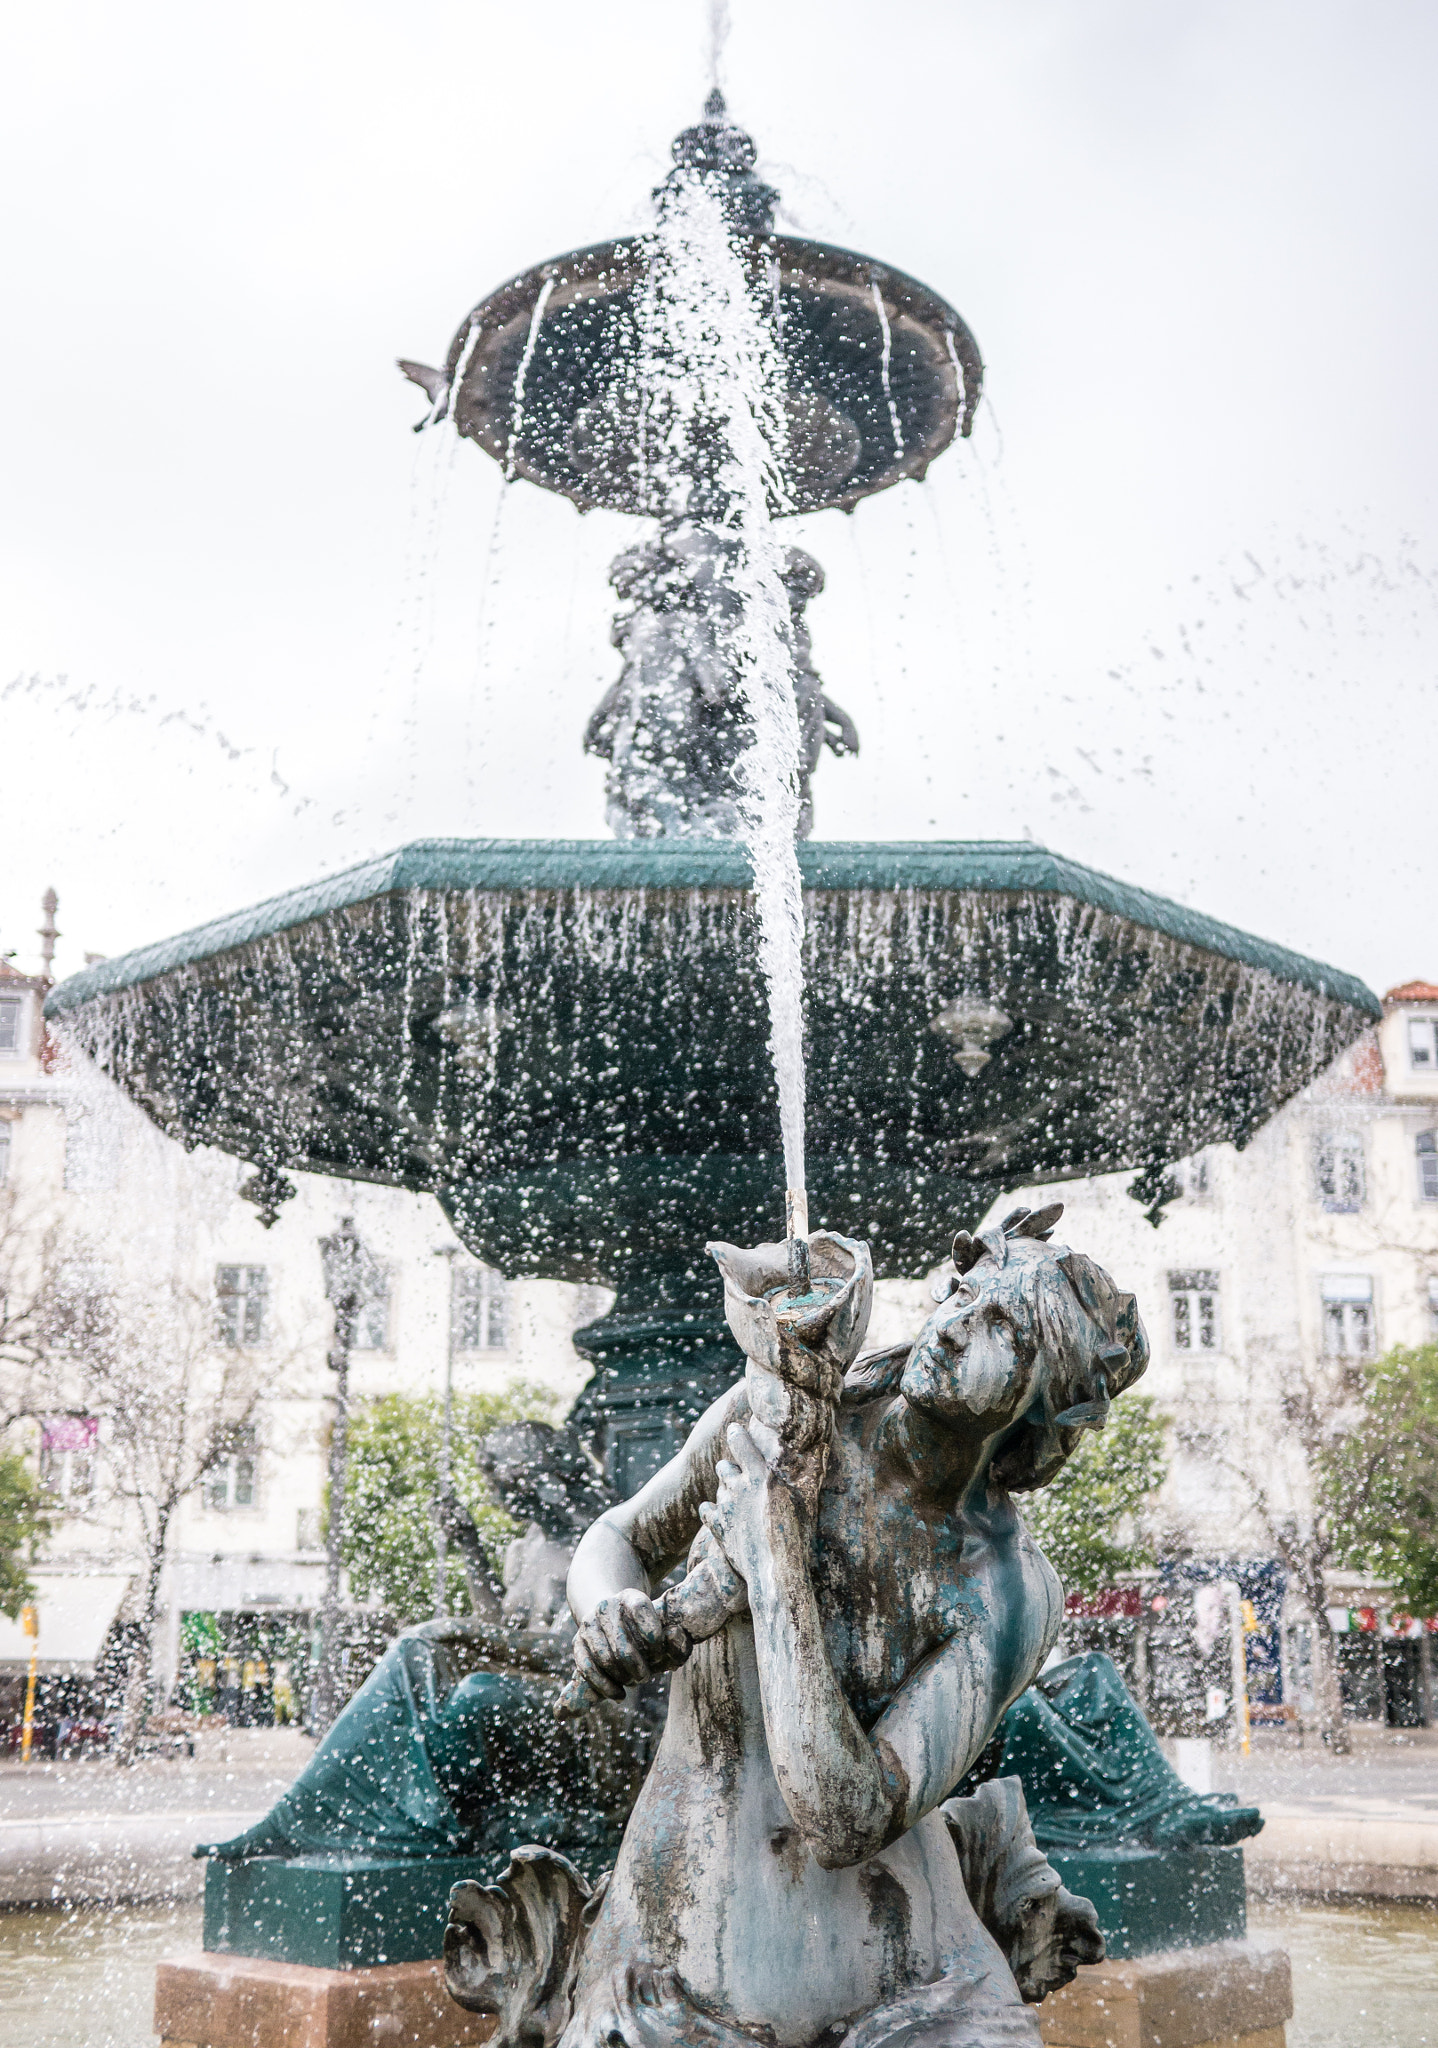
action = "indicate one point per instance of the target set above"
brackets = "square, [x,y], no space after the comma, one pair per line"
[589,1667]
[629,1631]
[747,1454]
[622,1643]
[768,1440]
[643,1623]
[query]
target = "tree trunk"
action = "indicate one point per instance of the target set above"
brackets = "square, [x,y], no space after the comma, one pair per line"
[135,1708]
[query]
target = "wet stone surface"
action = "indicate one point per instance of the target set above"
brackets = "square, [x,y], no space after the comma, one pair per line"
[85,1978]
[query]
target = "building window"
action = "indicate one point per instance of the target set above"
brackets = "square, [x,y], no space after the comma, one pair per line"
[4,1153]
[1427,1148]
[1195,1177]
[230,1481]
[12,1020]
[242,1296]
[79,1313]
[1348,1327]
[1338,1166]
[67,1458]
[1193,1311]
[479,1310]
[1423,1044]
[371,1328]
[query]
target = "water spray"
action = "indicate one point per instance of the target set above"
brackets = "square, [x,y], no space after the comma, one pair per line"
[796,1231]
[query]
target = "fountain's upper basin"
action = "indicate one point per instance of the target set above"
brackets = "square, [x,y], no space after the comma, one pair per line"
[567,1040]
[879,370]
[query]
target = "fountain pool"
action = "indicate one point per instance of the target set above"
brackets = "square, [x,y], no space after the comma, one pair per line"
[84,1977]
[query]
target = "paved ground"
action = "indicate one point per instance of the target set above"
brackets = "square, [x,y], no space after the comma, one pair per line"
[1398,1766]
[232,1770]
[87,1831]
[1365,1824]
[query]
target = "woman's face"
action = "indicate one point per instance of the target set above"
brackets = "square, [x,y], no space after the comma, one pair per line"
[969,1361]
[1014,1344]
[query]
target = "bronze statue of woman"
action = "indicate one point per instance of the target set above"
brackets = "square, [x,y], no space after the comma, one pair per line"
[795,1869]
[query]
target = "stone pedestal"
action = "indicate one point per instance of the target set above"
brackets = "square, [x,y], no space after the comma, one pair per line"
[210,2001]
[1227,1994]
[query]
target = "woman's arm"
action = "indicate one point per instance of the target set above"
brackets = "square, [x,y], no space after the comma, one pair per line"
[457,1524]
[851,1792]
[623,1556]
[842,1788]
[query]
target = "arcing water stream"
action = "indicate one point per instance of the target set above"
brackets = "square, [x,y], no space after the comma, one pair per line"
[713,390]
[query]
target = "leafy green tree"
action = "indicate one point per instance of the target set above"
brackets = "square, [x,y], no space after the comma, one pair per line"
[1379,1480]
[1090,1521]
[22,1519]
[392,1482]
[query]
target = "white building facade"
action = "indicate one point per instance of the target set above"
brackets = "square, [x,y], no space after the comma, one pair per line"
[89,1185]
[1316,1243]
[1320,1239]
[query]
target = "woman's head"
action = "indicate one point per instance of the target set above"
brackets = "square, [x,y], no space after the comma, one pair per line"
[1029,1330]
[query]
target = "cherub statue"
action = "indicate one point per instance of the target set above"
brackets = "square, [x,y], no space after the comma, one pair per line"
[673,725]
[795,1868]
[549,1481]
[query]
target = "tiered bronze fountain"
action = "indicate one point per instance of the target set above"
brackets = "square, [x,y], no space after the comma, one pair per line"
[565,1042]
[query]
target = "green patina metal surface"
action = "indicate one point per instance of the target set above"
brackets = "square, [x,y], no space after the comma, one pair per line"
[348,1912]
[509,864]
[1149,1900]
[567,1042]
[1093,1773]
[1161,1863]
[333,1912]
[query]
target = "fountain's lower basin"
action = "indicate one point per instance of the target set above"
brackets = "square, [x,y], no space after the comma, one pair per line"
[567,1043]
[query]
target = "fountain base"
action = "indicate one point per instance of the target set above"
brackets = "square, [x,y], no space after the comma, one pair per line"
[207,2001]
[1152,1900]
[1224,1995]
[335,1912]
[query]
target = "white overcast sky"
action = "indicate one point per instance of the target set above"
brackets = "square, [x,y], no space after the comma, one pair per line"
[1173,611]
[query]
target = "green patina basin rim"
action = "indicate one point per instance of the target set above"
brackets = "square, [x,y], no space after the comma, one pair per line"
[707,864]
[566,1041]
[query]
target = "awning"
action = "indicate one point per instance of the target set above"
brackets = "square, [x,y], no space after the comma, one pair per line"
[76,1610]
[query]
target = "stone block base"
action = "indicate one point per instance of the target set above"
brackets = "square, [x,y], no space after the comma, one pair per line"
[209,2001]
[1227,1994]
[1374,1855]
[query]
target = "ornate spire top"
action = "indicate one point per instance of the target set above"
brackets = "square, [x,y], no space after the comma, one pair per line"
[723,154]
[49,904]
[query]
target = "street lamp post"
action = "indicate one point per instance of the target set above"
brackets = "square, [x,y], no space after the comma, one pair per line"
[346,1264]
[441,1540]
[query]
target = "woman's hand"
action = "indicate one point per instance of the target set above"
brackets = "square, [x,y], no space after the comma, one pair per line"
[741,1520]
[621,1643]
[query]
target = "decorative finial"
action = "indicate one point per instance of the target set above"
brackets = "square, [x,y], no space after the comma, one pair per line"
[267,1188]
[720,152]
[49,904]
